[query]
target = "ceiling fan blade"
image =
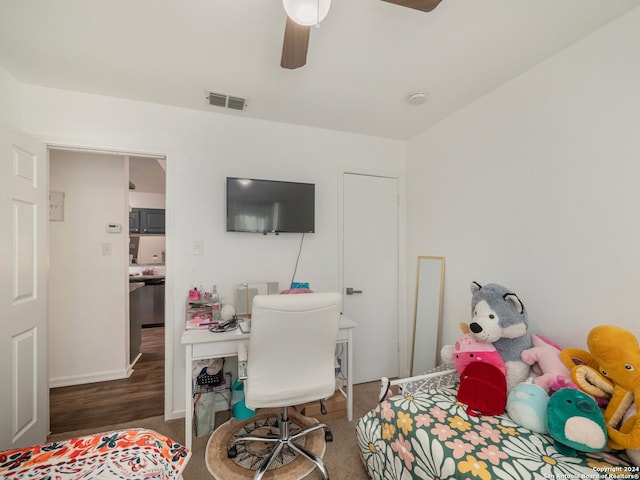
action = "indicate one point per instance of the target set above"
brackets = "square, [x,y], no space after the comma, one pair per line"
[295,44]
[423,5]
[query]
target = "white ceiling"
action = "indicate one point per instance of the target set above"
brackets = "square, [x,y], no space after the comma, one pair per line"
[362,63]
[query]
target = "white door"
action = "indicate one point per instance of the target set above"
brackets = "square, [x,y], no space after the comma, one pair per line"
[24,216]
[370,270]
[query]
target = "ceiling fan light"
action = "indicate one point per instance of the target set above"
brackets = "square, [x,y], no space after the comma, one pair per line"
[307,12]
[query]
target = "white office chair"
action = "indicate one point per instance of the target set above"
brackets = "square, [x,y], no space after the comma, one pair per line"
[291,361]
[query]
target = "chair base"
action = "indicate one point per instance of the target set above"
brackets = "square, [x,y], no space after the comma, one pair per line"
[285,439]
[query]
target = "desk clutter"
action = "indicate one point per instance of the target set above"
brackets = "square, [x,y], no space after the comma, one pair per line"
[209,380]
[209,310]
[211,374]
[206,310]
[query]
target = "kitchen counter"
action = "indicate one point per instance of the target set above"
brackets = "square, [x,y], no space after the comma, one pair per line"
[133,286]
[144,272]
[142,278]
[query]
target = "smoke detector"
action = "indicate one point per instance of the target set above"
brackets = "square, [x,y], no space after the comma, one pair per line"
[417,98]
[225,100]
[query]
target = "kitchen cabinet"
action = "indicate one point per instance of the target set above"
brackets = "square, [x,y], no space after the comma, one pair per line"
[152,220]
[147,221]
[134,220]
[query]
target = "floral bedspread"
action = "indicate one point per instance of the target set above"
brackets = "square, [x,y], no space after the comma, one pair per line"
[429,435]
[122,454]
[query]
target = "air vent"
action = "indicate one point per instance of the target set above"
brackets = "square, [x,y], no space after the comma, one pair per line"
[226,101]
[217,99]
[236,103]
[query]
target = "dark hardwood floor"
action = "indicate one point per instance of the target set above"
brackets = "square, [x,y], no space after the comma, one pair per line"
[105,403]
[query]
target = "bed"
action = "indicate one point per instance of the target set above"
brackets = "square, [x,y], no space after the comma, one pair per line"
[423,432]
[138,454]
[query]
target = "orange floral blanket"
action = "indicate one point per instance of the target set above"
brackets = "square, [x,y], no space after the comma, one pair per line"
[121,454]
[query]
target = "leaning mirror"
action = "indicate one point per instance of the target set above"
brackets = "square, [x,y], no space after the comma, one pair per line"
[425,351]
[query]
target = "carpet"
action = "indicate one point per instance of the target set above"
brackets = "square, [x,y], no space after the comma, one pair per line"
[285,467]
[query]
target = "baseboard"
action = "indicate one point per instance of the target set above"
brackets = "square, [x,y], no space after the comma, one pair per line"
[90,378]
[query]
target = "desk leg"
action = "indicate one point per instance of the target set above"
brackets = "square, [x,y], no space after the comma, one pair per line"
[350,376]
[188,404]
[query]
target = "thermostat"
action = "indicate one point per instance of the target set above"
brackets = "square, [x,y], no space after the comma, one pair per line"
[114,228]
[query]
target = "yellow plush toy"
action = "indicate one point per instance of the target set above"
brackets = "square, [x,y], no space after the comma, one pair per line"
[611,369]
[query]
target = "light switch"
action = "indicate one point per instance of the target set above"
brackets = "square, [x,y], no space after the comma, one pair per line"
[198,247]
[106,249]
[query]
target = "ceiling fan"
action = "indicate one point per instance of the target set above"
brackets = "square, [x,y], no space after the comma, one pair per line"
[302,14]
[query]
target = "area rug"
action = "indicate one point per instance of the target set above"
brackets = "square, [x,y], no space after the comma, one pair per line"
[285,467]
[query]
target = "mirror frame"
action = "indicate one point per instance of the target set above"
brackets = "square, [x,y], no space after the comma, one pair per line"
[438,319]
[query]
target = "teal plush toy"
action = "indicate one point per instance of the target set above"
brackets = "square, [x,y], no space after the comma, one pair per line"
[527,406]
[575,422]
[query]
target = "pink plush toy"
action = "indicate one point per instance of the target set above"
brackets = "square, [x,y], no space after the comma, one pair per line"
[544,357]
[467,350]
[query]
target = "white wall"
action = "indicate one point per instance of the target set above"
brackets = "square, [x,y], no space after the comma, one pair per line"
[11,100]
[537,187]
[203,148]
[88,290]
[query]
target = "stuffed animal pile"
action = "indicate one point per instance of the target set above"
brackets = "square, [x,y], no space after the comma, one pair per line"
[468,349]
[489,351]
[585,400]
[544,358]
[611,370]
[591,406]
[499,317]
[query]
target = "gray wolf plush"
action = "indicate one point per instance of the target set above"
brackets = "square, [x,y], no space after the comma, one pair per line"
[499,317]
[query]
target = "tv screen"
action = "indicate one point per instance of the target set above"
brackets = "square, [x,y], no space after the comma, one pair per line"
[270,206]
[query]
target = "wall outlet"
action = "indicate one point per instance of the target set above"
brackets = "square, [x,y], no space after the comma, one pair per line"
[198,247]
[106,249]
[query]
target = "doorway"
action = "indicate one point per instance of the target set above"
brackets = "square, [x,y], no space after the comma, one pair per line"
[90,329]
[370,271]
[96,405]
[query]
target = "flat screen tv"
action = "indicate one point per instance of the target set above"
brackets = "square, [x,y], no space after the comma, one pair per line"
[265,206]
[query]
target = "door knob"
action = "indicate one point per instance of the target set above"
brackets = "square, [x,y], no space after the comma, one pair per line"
[351,291]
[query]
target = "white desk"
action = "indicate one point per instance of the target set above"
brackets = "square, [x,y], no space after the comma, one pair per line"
[203,344]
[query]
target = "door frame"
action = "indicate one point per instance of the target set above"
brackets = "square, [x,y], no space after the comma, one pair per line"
[168,154]
[403,364]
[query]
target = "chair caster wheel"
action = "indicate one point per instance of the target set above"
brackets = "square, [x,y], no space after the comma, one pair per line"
[232,452]
[328,436]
